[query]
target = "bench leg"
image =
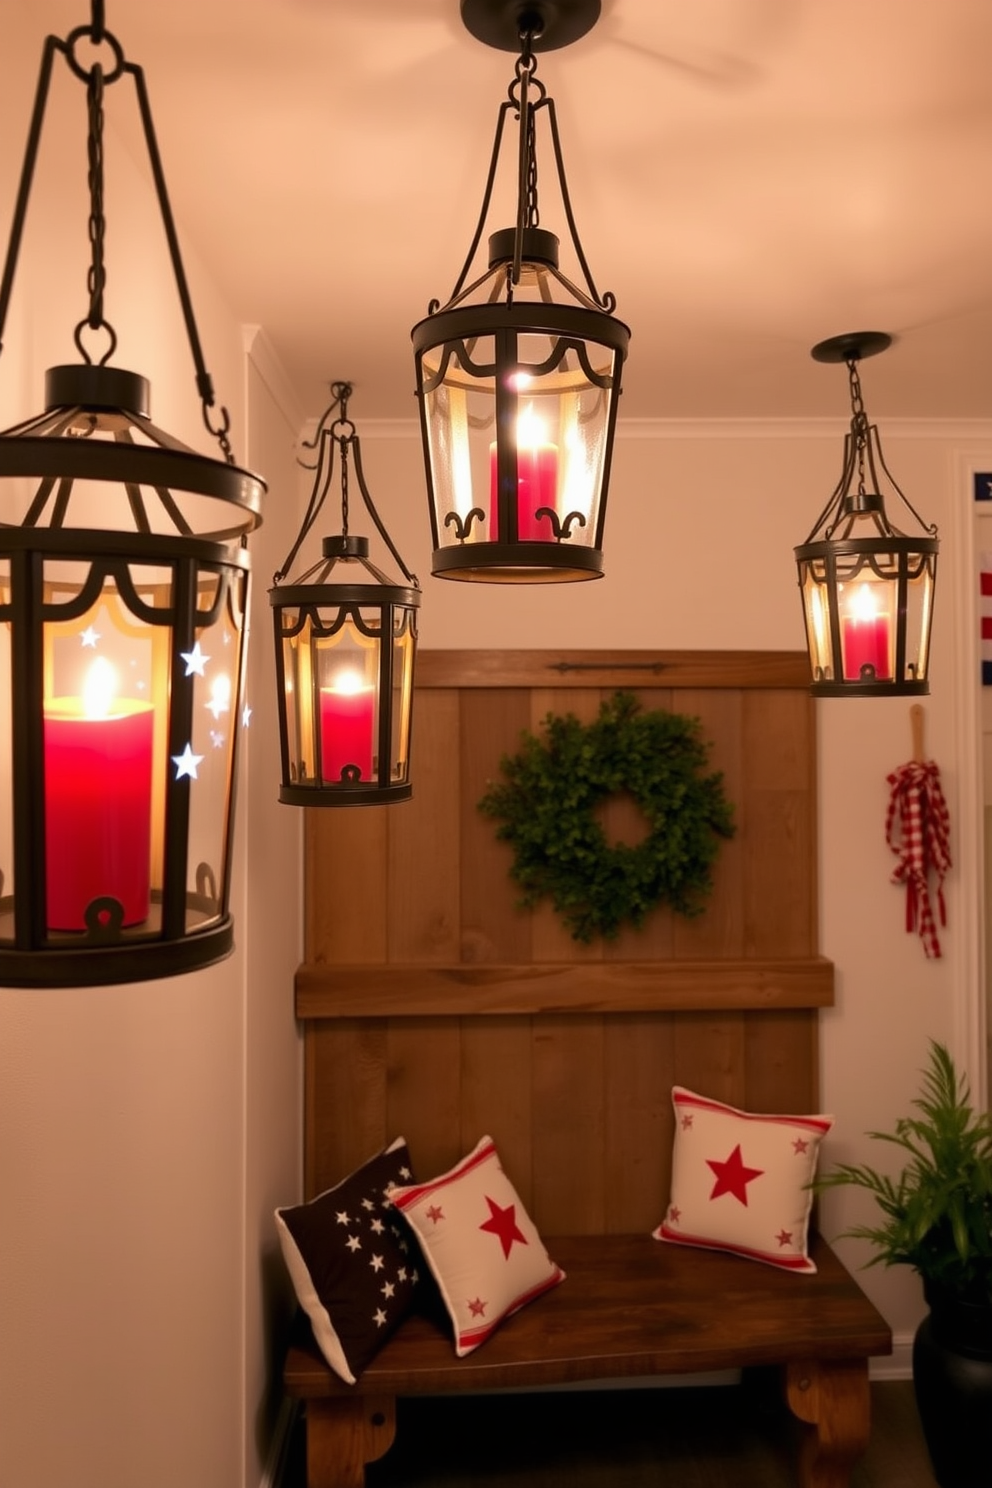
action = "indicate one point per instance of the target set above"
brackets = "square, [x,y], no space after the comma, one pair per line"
[343,1435]
[834,1404]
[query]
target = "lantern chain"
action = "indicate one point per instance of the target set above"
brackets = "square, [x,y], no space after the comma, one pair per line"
[96,278]
[859,421]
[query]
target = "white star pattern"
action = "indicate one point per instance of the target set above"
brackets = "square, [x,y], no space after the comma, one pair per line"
[380,1318]
[90,637]
[388,1290]
[368,1204]
[342,1217]
[376,1263]
[246,717]
[186,763]
[405,1174]
[353,1243]
[195,661]
[378,1228]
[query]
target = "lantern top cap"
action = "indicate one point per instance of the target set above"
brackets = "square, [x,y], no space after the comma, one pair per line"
[550,24]
[82,385]
[537,247]
[854,346]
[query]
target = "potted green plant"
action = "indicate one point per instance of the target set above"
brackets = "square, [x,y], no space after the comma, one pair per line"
[936,1216]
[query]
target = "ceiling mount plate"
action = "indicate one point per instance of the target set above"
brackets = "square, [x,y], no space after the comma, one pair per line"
[855,346]
[498,22]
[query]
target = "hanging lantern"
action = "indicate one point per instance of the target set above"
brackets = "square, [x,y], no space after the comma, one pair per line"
[518,382]
[123,592]
[346,639]
[867,587]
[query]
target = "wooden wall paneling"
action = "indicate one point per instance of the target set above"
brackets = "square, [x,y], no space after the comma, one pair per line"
[346,879]
[623,821]
[780,823]
[496,1100]
[719,931]
[423,1090]
[552,940]
[639,1054]
[569,1136]
[709,1054]
[345,1119]
[424,860]
[780,1061]
[493,927]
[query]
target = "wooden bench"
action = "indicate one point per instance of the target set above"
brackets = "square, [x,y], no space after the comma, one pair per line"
[434,1009]
[630,1307]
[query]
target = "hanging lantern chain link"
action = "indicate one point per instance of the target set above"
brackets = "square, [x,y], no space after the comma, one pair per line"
[859,421]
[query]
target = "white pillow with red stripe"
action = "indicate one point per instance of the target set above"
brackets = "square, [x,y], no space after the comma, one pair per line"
[480,1243]
[740,1181]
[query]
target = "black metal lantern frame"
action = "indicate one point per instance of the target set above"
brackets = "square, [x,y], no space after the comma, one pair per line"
[123,595]
[346,640]
[518,374]
[867,587]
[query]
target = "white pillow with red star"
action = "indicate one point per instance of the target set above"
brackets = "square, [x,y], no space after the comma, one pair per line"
[352,1261]
[740,1181]
[480,1243]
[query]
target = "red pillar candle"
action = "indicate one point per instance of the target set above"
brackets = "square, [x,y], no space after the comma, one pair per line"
[98,794]
[537,482]
[347,716]
[865,637]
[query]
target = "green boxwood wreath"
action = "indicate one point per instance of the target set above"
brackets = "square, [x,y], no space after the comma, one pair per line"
[547,806]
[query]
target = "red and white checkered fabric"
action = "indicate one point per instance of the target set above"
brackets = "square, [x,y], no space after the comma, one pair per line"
[918,828]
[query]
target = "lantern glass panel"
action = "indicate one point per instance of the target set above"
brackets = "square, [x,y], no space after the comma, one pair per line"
[298,710]
[404,646]
[213,669]
[346,678]
[106,702]
[549,404]
[6,757]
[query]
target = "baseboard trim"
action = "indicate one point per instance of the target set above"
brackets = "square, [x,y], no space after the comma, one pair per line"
[899,1364]
[277,1462]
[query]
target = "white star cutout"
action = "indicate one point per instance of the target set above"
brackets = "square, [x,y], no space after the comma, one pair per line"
[246,717]
[353,1243]
[378,1228]
[342,1217]
[216,739]
[376,1263]
[380,1318]
[368,1204]
[401,1273]
[388,1290]
[186,763]
[217,706]
[89,637]
[195,661]
[405,1173]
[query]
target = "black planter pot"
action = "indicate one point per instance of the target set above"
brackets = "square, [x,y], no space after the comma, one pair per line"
[952,1375]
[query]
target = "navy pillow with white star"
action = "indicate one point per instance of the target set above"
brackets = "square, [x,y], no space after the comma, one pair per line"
[353,1262]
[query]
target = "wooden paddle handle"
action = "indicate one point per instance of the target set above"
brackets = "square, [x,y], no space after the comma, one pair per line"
[916,724]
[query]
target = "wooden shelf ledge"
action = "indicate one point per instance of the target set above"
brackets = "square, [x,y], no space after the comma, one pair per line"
[416,990]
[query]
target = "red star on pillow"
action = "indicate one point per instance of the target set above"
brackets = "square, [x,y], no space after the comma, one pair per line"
[434,1213]
[732,1176]
[477,1308]
[503,1222]
[784,1237]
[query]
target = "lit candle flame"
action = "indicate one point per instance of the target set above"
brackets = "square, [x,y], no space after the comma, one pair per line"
[864,605]
[348,682]
[531,429]
[99,689]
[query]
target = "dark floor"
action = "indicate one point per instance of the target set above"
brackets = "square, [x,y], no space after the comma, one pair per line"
[717,1437]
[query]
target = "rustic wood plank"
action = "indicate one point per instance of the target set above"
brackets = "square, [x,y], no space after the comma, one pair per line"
[625,668]
[497,1094]
[780,1061]
[623,821]
[709,1054]
[779,808]
[424,840]
[639,1121]
[493,926]
[423,1090]
[345,1119]
[346,883]
[568,1135]
[635,986]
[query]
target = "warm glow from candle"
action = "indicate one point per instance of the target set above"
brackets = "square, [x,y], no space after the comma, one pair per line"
[531,430]
[99,689]
[864,605]
[347,683]
[220,694]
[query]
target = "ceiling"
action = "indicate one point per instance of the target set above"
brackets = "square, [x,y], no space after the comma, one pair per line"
[748,177]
